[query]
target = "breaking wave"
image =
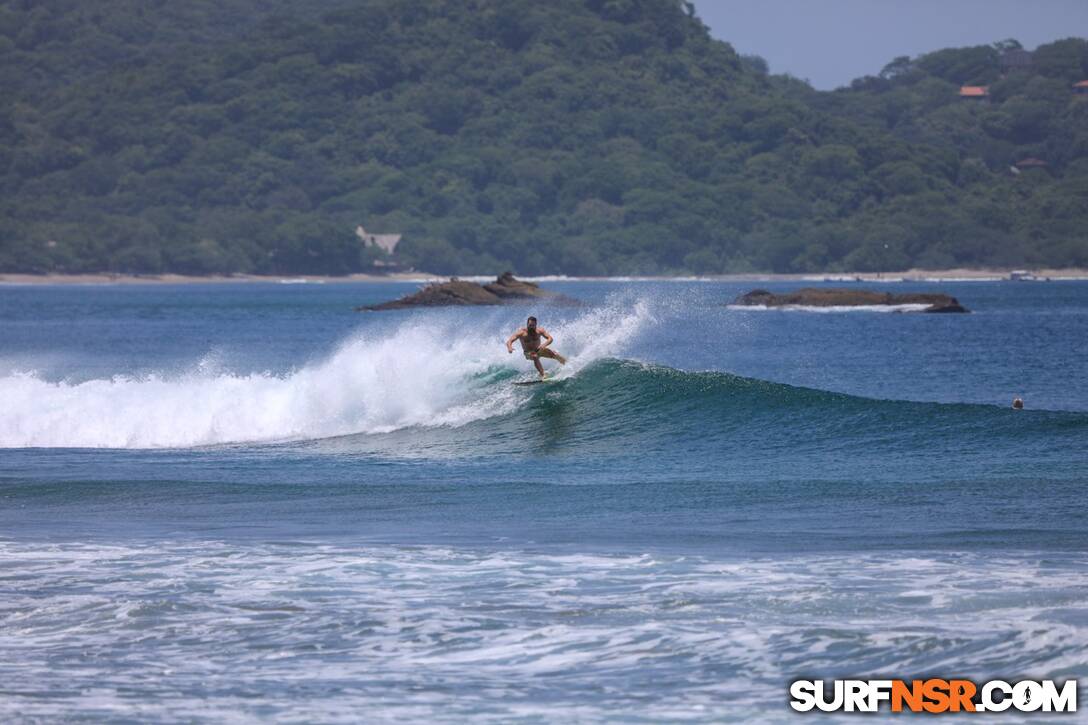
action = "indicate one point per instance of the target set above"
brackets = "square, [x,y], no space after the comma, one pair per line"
[447,386]
[417,374]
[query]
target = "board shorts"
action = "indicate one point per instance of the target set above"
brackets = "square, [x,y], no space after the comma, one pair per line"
[529,354]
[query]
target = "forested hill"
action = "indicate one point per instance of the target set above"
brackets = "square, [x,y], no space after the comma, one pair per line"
[569,136]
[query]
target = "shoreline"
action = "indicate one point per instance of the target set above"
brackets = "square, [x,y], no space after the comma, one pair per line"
[912,275]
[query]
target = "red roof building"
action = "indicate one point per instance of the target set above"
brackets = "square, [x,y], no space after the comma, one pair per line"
[974,92]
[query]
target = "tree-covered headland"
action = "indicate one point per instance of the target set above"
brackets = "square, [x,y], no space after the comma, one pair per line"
[571,136]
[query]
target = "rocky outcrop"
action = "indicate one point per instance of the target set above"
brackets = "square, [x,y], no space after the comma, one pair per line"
[840,297]
[506,289]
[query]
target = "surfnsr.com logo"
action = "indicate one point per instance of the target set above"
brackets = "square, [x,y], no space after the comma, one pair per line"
[933,695]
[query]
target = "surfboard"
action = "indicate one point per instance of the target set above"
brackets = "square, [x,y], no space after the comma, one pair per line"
[533,382]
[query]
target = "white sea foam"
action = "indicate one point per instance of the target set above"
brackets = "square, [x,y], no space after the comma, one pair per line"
[205,630]
[417,374]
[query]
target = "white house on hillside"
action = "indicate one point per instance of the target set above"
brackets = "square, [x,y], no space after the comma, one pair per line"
[386,242]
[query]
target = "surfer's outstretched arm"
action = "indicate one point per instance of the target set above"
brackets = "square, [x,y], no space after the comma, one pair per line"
[512,339]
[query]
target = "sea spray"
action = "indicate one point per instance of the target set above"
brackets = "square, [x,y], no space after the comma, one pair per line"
[427,370]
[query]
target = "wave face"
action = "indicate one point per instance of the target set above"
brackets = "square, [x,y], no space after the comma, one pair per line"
[727,426]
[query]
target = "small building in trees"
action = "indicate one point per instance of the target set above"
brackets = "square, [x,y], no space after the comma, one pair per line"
[386,242]
[1015,59]
[1081,88]
[975,92]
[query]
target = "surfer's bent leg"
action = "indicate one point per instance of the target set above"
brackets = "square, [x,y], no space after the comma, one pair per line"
[548,352]
[534,355]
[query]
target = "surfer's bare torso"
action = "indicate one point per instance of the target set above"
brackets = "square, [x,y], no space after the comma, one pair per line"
[530,339]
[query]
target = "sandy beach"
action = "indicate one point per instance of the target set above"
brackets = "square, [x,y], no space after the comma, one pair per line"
[128,279]
[915,275]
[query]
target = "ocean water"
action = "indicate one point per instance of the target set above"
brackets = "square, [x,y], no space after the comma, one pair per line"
[246,502]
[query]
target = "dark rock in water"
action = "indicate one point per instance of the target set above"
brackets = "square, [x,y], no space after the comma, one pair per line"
[840,297]
[506,289]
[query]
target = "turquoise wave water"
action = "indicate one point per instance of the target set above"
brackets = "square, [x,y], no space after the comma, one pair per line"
[689,420]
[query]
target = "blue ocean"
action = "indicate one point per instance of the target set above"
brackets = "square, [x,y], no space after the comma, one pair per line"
[248,501]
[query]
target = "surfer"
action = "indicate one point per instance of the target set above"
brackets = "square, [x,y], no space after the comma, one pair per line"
[530,337]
